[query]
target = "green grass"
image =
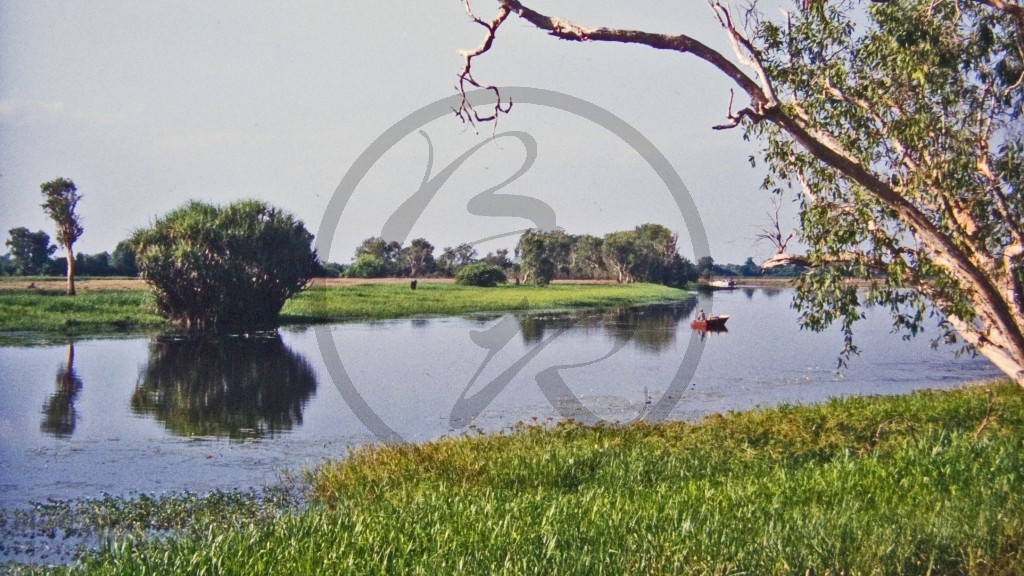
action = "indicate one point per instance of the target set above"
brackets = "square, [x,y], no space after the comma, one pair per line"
[927,483]
[132,311]
[87,313]
[382,301]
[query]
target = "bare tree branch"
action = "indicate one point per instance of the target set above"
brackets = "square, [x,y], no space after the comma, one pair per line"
[466,112]
[737,118]
[568,30]
[773,234]
[744,50]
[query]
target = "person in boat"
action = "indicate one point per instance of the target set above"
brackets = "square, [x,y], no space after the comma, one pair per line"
[701,316]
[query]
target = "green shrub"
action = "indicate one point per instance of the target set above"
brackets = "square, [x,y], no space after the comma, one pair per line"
[224,269]
[367,266]
[480,274]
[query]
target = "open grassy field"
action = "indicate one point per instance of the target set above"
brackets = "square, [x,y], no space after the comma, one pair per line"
[394,300]
[931,483]
[90,312]
[125,305]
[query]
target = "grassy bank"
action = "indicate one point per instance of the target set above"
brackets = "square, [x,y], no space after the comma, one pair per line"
[131,310]
[380,301]
[90,312]
[928,483]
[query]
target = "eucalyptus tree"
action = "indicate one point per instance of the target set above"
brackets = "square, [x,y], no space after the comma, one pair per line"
[122,260]
[416,259]
[657,253]
[558,248]
[30,251]
[452,260]
[897,124]
[380,250]
[706,267]
[648,253]
[535,264]
[60,200]
[585,259]
[619,252]
[499,258]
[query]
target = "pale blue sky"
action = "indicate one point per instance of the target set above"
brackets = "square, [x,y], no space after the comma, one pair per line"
[146,105]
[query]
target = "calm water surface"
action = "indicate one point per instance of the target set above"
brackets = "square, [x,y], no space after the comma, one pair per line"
[122,416]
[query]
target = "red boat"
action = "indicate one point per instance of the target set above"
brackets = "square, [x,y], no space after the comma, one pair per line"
[710,323]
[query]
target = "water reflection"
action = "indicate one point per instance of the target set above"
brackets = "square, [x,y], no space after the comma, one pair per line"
[535,326]
[704,332]
[412,374]
[236,387]
[59,414]
[767,291]
[651,328]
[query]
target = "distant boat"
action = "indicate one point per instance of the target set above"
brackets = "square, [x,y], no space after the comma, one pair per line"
[710,323]
[723,284]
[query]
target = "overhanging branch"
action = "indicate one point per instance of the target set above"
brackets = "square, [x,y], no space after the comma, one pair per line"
[466,112]
[1016,11]
[1002,321]
[569,30]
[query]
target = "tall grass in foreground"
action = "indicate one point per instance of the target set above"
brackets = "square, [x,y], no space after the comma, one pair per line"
[378,301]
[928,483]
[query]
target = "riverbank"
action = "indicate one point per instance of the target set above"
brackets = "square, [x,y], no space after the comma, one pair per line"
[393,300]
[125,306]
[774,282]
[925,483]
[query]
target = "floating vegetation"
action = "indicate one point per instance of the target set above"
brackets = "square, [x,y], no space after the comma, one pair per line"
[61,531]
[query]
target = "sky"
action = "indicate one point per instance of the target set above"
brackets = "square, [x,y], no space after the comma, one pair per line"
[147,105]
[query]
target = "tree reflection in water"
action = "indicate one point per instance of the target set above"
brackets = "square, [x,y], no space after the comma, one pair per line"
[233,387]
[535,325]
[651,328]
[59,414]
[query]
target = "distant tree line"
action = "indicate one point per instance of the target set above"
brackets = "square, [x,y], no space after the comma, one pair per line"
[648,253]
[708,268]
[644,254]
[31,254]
